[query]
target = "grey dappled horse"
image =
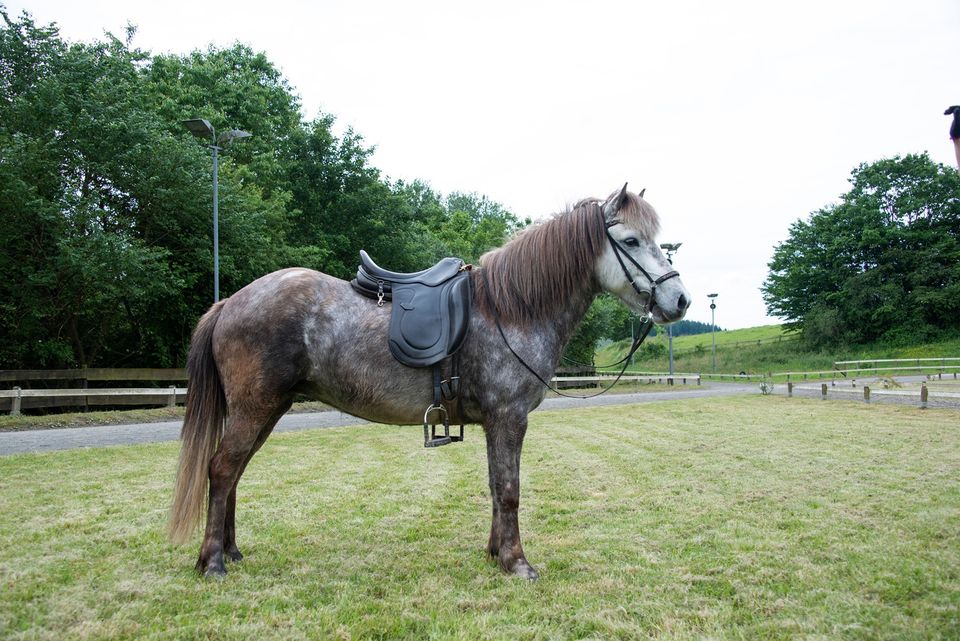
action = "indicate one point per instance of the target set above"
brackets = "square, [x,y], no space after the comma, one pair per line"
[298,331]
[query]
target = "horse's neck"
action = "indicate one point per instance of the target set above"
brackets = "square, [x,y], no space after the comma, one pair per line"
[570,315]
[563,316]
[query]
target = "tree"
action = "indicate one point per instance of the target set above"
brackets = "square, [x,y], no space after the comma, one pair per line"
[884,263]
[73,141]
[606,318]
[106,205]
[106,199]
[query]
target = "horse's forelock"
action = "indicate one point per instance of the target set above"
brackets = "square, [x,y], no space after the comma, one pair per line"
[638,214]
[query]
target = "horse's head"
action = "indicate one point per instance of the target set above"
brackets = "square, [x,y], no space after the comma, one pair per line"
[632,266]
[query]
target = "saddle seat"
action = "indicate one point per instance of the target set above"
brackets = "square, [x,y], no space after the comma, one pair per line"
[432,276]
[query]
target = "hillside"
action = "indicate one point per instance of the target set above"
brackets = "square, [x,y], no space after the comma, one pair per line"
[759,350]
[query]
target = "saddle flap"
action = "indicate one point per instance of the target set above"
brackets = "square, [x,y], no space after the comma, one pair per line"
[419,322]
[429,323]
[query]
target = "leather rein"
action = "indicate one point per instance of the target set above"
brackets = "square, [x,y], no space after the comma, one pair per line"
[645,326]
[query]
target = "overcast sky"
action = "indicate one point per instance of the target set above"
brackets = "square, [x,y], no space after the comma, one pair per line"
[738,117]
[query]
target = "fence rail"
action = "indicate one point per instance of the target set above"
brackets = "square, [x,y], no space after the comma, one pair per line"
[942,361]
[669,379]
[95,374]
[872,371]
[16,399]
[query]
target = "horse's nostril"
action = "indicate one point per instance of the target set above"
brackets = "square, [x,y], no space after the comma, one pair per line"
[682,302]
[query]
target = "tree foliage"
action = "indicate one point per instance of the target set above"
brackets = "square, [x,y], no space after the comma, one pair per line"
[106,199]
[883,264]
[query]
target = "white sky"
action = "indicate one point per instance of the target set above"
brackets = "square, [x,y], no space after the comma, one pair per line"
[738,117]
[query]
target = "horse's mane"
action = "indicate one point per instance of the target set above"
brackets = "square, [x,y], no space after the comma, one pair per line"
[547,263]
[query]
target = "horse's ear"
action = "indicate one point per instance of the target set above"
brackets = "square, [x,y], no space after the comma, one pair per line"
[614,203]
[642,192]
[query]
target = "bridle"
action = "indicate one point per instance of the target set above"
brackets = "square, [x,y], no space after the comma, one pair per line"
[645,326]
[620,252]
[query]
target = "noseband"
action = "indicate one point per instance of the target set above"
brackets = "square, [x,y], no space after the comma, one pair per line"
[620,253]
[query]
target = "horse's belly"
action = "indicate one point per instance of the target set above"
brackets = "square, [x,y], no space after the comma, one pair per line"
[393,402]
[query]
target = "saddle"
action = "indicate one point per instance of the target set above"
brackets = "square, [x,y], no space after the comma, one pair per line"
[429,318]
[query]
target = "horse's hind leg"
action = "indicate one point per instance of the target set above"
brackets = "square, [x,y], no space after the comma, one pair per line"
[243,434]
[230,530]
[504,442]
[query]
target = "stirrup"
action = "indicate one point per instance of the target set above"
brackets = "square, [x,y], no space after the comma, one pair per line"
[430,436]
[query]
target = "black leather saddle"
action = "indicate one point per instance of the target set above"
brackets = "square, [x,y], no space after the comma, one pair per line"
[431,308]
[429,318]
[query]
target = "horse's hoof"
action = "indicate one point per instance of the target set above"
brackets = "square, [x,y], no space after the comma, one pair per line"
[235,555]
[215,572]
[524,570]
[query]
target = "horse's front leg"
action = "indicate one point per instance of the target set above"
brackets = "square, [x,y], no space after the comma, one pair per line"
[504,442]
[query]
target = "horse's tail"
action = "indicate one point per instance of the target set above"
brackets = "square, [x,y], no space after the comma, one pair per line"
[202,429]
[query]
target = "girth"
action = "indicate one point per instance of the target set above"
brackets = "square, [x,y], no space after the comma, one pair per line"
[429,319]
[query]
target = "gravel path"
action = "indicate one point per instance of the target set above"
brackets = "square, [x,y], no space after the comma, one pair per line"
[106,435]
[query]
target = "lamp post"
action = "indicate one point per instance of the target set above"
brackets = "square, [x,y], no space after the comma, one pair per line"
[203,129]
[713,328]
[671,249]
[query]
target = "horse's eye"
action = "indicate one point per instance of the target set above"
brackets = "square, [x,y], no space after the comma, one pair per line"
[631,242]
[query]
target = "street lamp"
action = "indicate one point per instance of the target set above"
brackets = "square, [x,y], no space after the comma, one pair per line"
[203,129]
[671,249]
[713,328]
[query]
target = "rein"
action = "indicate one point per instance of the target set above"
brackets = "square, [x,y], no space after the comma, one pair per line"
[645,328]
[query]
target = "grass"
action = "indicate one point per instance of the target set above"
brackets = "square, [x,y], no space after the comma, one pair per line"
[738,351]
[20,422]
[10,423]
[744,517]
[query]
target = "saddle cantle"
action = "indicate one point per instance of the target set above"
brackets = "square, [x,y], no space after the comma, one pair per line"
[429,318]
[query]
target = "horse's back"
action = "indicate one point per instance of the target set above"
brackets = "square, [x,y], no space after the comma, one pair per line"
[302,331]
[262,334]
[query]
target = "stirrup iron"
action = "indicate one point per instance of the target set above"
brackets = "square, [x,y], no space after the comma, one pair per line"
[430,436]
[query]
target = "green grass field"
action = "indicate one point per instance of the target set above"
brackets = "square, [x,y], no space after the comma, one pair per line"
[762,350]
[746,517]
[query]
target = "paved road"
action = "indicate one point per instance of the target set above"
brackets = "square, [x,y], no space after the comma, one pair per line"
[105,435]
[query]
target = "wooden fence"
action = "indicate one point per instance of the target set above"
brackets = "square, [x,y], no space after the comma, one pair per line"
[27,397]
[32,389]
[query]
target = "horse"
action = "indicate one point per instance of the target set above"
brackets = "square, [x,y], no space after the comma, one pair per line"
[301,332]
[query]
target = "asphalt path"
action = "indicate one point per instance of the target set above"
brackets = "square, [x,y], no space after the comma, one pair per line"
[137,433]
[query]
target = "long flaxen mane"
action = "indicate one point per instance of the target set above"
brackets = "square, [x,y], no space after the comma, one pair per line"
[543,265]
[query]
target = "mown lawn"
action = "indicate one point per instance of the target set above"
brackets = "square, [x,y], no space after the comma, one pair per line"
[748,517]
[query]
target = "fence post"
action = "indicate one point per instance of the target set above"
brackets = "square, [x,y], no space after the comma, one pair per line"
[823,391]
[789,389]
[172,398]
[866,393]
[15,405]
[923,396]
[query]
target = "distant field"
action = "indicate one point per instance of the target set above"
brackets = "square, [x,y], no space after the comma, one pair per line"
[733,337]
[747,517]
[761,350]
